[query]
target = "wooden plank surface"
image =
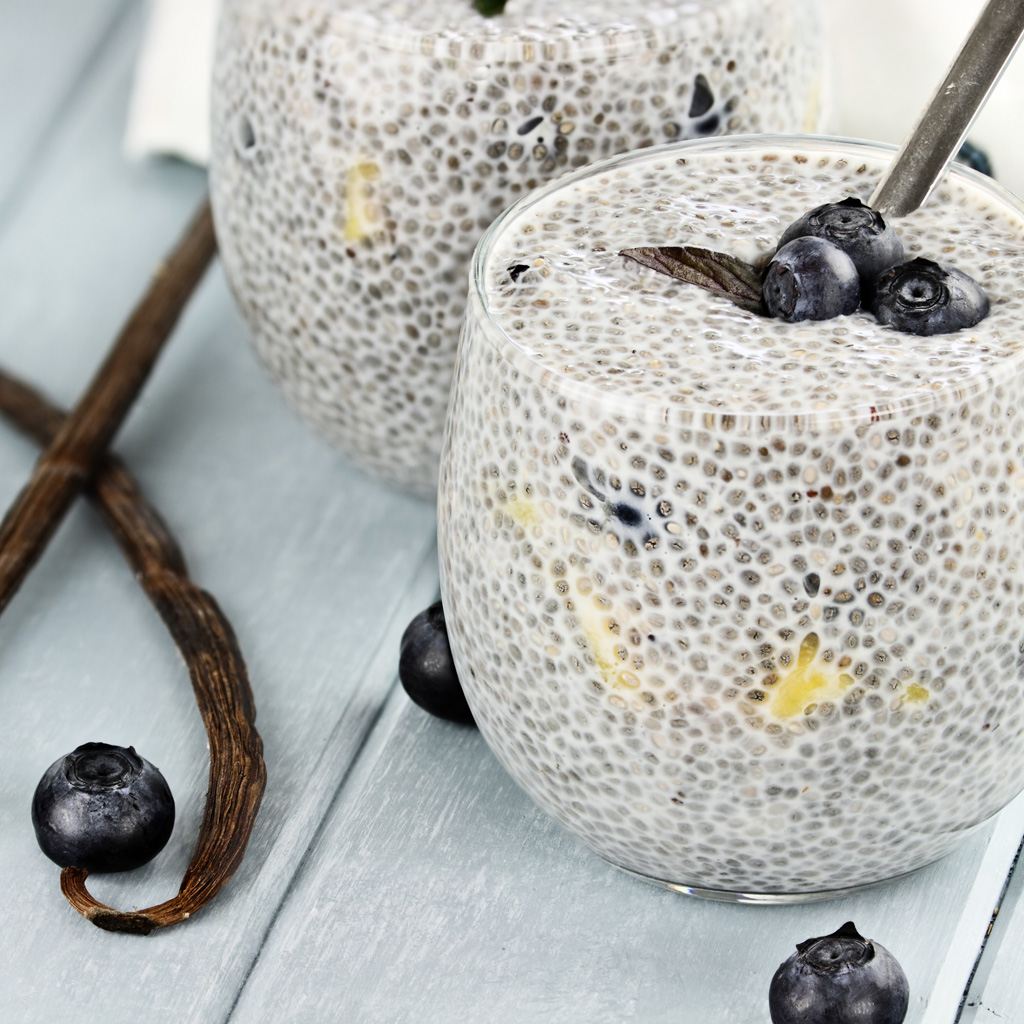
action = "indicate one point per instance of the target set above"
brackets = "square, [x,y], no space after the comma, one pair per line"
[437,892]
[46,48]
[318,568]
[997,990]
[396,873]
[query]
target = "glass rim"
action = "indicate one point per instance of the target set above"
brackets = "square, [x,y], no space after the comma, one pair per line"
[614,40]
[745,421]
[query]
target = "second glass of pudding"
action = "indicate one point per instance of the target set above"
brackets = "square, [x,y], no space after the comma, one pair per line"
[361,149]
[739,602]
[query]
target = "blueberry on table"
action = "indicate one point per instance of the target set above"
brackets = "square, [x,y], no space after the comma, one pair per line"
[841,978]
[810,279]
[102,808]
[854,227]
[427,669]
[923,297]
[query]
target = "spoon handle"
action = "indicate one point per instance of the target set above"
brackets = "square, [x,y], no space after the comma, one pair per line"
[941,130]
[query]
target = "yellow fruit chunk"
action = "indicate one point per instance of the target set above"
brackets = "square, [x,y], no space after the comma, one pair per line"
[602,633]
[361,209]
[917,694]
[809,681]
[523,511]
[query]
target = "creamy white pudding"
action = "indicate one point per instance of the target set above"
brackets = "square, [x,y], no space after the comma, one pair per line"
[739,601]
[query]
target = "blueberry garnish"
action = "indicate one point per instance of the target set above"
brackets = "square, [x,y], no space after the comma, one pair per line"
[811,279]
[924,297]
[427,669]
[102,808]
[841,978]
[855,228]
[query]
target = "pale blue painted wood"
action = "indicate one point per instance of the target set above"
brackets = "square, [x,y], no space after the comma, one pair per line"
[997,992]
[318,567]
[46,47]
[438,893]
[396,874]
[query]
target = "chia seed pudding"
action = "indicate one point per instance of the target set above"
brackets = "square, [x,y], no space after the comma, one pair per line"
[740,602]
[359,151]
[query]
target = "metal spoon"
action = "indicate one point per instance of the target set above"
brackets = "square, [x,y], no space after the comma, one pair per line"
[941,129]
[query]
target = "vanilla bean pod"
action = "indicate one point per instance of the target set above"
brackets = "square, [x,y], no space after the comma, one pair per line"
[67,463]
[217,669]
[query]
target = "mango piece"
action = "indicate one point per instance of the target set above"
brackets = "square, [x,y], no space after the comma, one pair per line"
[362,211]
[523,511]
[599,628]
[810,681]
[917,694]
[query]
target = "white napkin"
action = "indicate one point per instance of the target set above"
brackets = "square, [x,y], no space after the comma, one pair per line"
[170,102]
[887,58]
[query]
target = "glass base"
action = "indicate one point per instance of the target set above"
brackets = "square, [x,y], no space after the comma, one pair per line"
[763,898]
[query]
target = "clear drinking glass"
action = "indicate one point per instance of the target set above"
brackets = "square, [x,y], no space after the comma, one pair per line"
[739,602]
[359,151]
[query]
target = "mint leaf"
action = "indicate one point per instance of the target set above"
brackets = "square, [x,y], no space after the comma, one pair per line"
[489,8]
[716,271]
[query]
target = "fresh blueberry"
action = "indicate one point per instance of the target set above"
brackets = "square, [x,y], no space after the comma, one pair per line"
[703,99]
[856,229]
[972,156]
[102,808]
[811,279]
[427,669]
[924,297]
[841,978]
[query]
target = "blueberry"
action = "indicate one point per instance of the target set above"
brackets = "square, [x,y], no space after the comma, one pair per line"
[976,158]
[102,808]
[427,669]
[703,98]
[810,279]
[924,297]
[856,229]
[841,978]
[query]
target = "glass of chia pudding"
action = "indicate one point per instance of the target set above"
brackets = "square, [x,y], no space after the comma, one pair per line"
[739,601]
[360,150]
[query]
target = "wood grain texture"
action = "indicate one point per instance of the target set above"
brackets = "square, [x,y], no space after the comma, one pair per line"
[71,453]
[216,666]
[396,874]
[318,568]
[437,892]
[996,994]
[46,47]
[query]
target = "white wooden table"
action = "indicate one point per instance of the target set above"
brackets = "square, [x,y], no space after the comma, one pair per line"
[396,874]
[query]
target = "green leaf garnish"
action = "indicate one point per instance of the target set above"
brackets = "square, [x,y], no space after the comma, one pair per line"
[716,271]
[489,8]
